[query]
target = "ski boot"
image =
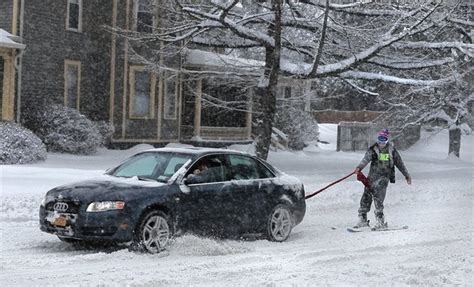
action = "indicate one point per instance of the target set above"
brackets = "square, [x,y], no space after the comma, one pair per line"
[380,223]
[363,222]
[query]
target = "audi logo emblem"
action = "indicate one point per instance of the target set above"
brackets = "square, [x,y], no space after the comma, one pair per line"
[60,206]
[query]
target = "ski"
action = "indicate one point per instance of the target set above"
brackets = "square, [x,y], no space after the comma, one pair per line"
[389,228]
[358,229]
[363,229]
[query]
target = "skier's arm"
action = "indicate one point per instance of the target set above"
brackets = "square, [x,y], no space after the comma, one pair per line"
[398,162]
[367,158]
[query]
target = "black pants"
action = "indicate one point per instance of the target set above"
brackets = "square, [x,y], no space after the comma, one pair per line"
[376,192]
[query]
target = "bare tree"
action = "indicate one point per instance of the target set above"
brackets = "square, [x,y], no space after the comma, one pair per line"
[308,39]
[449,106]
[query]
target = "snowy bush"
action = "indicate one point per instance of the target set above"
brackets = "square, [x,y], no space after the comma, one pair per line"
[63,129]
[300,126]
[19,145]
[106,131]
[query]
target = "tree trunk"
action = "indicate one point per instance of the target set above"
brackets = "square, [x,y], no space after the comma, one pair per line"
[266,91]
[264,121]
[455,141]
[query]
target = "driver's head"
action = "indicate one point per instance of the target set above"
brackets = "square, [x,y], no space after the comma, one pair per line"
[203,164]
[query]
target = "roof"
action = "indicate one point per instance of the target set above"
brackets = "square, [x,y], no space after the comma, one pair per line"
[8,40]
[224,62]
[210,59]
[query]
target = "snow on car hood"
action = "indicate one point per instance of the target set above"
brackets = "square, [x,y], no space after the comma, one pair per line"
[103,188]
[128,180]
[125,181]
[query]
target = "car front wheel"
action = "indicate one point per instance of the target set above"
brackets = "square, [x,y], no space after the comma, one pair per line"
[279,223]
[154,232]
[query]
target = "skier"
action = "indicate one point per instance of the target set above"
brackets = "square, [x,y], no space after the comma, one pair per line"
[383,158]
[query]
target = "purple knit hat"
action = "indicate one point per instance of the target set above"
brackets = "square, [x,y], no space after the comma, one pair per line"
[383,136]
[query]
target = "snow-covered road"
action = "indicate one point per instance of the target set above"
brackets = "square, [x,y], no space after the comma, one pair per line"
[435,250]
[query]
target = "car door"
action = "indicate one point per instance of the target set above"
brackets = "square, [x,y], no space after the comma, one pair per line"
[250,187]
[208,202]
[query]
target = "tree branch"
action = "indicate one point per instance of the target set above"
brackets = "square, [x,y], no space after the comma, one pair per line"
[319,52]
[239,30]
[374,49]
[410,65]
[466,48]
[393,79]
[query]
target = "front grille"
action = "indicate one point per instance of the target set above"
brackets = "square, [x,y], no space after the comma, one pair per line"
[96,230]
[73,206]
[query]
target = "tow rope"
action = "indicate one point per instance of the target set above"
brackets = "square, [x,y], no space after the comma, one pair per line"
[360,177]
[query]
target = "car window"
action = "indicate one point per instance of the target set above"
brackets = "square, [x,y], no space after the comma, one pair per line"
[158,166]
[264,171]
[243,167]
[138,166]
[208,169]
[174,164]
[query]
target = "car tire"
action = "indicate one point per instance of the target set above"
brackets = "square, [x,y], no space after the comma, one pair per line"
[279,223]
[154,232]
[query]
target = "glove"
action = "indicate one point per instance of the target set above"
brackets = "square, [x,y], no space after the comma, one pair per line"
[362,178]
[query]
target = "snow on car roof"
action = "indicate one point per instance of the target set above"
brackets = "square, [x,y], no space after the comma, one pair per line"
[196,150]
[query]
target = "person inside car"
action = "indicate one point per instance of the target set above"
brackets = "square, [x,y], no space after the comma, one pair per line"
[201,173]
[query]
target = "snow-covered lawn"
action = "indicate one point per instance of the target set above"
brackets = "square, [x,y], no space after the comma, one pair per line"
[435,250]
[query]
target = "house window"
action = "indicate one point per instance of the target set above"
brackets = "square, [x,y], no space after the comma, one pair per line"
[170,96]
[74,15]
[142,90]
[72,83]
[144,16]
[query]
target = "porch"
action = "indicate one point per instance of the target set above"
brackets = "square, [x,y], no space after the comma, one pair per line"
[8,52]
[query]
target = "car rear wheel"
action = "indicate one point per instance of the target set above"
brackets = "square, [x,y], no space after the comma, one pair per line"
[154,233]
[279,223]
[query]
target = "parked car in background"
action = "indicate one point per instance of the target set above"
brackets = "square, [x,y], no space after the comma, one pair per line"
[160,193]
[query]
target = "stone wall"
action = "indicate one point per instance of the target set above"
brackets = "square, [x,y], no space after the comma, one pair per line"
[357,136]
[335,117]
[354,136]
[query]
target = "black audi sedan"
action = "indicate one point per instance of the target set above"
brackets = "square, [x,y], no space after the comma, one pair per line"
[159,193]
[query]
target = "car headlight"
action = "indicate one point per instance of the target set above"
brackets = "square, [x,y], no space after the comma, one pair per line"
[105,205]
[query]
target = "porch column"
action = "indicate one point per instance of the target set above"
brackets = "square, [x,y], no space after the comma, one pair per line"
[8,96]
[197,109]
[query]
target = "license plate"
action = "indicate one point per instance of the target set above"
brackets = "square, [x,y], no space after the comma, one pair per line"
[60,221]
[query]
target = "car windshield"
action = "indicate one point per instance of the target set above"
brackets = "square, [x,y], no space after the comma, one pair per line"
[152,166]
